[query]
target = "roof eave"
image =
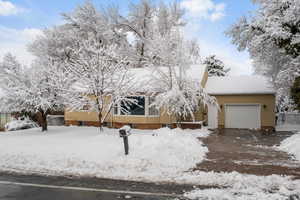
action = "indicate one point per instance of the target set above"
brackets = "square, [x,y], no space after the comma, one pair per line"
[252,93]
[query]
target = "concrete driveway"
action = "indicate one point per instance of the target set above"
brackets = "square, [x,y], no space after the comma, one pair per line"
[248,151]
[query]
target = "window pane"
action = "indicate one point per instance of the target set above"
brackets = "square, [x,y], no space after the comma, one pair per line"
[152,109]
[135,109]
[116,110]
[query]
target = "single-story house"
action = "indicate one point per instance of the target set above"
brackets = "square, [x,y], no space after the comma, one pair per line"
[244,102]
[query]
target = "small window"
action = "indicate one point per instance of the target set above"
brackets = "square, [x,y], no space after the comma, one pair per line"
[85,107]
[116,109]
[137,108]
[153,111]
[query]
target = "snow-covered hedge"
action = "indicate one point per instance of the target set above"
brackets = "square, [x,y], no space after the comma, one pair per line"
[20,124]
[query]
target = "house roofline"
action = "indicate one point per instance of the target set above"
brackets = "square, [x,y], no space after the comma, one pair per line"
[240,94]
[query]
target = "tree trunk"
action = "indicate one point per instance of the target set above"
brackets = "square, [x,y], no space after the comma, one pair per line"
[178,121]
[100,121]
[43,122]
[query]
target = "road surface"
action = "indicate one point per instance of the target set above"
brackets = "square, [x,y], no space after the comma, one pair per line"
[33,187]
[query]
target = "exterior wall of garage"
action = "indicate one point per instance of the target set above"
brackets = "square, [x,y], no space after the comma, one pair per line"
[266,101]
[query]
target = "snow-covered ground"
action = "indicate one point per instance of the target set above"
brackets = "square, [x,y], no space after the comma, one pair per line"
[242,187]
[160,155]
[292,145]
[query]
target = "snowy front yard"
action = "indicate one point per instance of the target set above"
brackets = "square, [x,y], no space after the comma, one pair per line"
[155,156]
[159,155]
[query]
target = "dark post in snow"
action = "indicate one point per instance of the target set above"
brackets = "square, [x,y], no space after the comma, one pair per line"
[124,133]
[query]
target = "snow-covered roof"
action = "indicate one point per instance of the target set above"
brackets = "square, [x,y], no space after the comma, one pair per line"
[146,76]
[195,72]
[147,79]
[230,85]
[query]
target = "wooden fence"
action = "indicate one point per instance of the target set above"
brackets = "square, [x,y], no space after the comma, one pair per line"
[4,118]
[288,118]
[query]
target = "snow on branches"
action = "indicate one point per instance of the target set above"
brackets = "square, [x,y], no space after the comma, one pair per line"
[272,37]
[101,79]
[29,90]
[88,63]
[215,66]
[179,94]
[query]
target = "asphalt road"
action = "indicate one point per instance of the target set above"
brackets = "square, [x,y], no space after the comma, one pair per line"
[32,187]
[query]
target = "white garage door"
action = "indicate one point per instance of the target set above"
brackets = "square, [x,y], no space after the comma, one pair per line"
[242,116]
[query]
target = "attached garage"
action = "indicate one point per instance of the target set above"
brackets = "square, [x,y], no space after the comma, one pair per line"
[246,102]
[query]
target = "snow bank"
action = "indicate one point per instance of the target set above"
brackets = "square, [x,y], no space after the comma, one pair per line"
[160,155]
[292,145]
[19,124]
[241,187]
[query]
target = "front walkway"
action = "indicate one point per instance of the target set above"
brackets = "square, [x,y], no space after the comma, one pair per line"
[248,151]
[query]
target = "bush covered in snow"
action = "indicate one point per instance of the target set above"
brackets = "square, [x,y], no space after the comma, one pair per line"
[20,124]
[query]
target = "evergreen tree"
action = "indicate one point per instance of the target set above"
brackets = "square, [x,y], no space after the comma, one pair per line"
[215,66]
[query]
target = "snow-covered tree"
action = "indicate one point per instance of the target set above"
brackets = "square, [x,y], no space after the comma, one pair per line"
[161,47]
[59,42]
[92,53]
[11,70]
[101,79]
[145,20]
[31,90]
[215,66]
[177,93]
[92,49]
[272,37]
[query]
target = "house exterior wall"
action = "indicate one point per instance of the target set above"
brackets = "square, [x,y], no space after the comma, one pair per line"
[143,122]
[152,122]
[267,111]
[117,121]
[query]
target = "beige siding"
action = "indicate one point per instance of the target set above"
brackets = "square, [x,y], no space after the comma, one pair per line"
[267,112]
[92,117]
[164,118]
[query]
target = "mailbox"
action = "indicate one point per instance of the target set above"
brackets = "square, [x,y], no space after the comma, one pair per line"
[124,132]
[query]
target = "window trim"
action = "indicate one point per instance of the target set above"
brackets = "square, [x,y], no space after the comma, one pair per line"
[146,109]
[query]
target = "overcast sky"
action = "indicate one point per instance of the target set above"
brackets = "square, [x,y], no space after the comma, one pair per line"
[22,20]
